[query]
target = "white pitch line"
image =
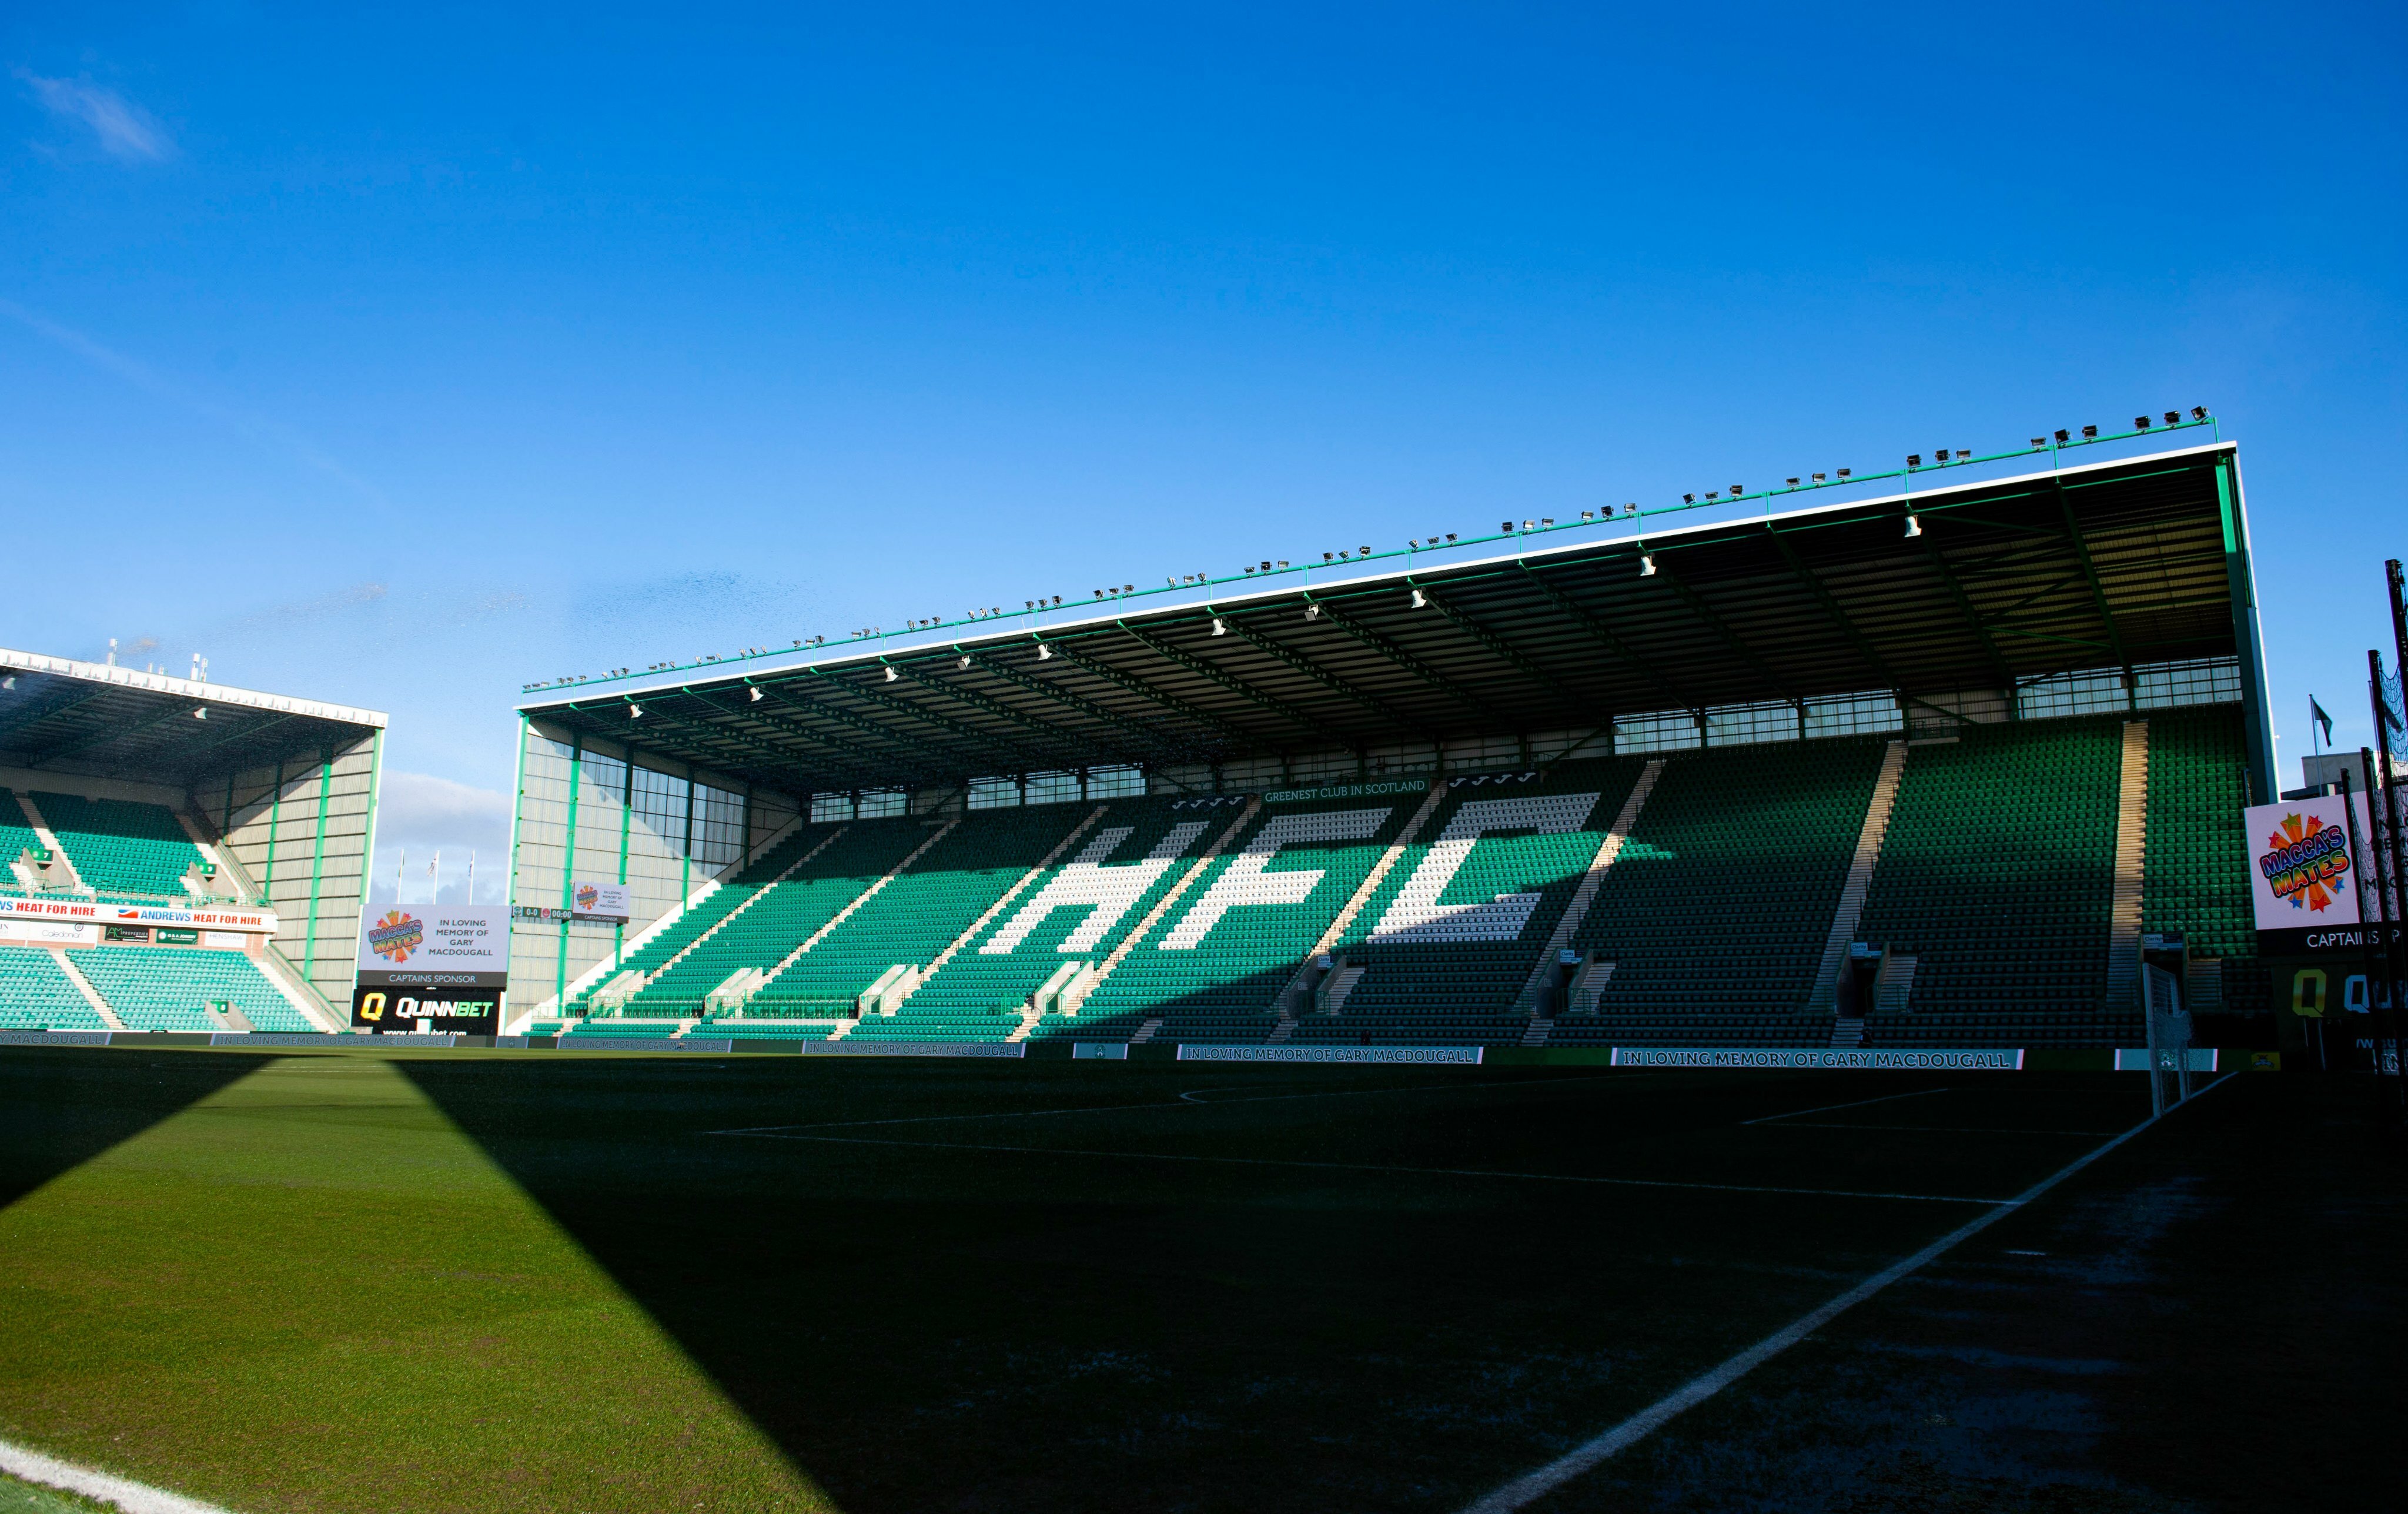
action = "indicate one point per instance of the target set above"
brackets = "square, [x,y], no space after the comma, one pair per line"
[1378,1167]
[1530,1487]
[1825,1109]
[132,1496]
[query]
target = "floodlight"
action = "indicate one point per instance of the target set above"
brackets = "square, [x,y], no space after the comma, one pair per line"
[1688,499]
[1363,552]
[2199,412]
[1713,493]
[1449,536]
[1530,524]
[1057,599]
[1546,520]
[1505,525]
[1329,557]
[634,712]
[201,714]
[1738,489]
[2173,417]
[1588,514]
[2061,437]
[1413,543]
[1793,483]
[1129,588]
[1940,456]
[1843,472]
[2039,441]
[1818,478]
[1282,562]
[1631,508]
[2089,433]
[891,676]
[1419,599]
[1044,653]
[755,697]
[1914,459]
[964,665]
[2140,423]
[1250,567]
[1646,565]
[1266,564]
[1913,527]
[1964,454]
[1219,629]
[1028,604]
[1313,612]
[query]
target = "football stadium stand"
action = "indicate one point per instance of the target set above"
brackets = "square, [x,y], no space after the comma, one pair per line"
[1840,777]
[179,855]
[1931,769]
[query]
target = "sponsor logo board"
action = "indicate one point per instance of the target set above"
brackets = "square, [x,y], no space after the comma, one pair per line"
[16,932]
[262,921]
[449,1008]
[1792,1057]
[1460,1055]
[2311,883]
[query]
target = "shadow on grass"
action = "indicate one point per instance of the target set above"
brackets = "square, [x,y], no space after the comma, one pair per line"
[924,1329]
[62,1106]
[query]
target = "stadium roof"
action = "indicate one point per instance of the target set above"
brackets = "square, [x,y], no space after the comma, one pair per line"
[98,719]
[2075,568]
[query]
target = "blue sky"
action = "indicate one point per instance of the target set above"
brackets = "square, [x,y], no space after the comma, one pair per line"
[404,358]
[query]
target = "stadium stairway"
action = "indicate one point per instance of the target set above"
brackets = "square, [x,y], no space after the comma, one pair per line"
[1716,911]
[1212,966]
[2131,847]
[926,905]
[2195,877]
[1998,877]
[1851,911]
[999,977]
[1446,947]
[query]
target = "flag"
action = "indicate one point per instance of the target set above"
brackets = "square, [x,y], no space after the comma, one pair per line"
[2386,698]
[2316,715]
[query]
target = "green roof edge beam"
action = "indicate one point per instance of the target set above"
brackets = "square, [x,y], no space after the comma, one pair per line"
[2241,579]
[35,717]
[1068,652]
[1394,652]
[1611,641]
[1856,638]
[1720,628]
[850,759]
[1078,747]
[2097,591]
[1502,650]
[1236,685]
[1965,605]
[1263,642]
[984,749]
[1151,737]
[775,690]
[102,736]
[1013,756]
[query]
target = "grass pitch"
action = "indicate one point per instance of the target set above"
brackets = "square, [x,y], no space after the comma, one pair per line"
[363,1281]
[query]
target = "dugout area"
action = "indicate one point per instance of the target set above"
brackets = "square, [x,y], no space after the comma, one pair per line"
[517,1281]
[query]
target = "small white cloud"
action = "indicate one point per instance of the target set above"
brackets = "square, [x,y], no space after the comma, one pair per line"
[420,815]
[420,809]
[125,129]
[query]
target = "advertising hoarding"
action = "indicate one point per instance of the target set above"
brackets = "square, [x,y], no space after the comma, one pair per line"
[590,901]
[2312,877]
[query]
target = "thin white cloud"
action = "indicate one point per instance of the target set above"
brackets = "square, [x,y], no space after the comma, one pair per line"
[419,816]
[125,129]
[421,809]
[255,429]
